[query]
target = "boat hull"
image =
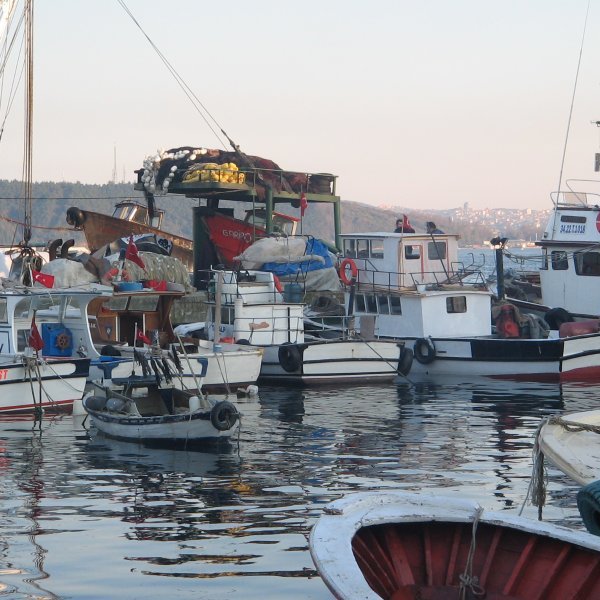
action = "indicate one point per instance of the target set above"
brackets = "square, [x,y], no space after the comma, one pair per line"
[332,361]
[59,384]
[395,544]
[575,452]
[561,359]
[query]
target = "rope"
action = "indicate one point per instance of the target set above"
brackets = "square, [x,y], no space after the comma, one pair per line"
[22,224]
[467,579]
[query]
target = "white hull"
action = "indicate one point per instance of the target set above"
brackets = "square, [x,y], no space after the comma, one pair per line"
[575,453]
[331,362]
[331,537]
[548,359]
[62,382]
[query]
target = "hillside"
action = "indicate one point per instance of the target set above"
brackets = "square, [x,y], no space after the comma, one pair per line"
[51,201]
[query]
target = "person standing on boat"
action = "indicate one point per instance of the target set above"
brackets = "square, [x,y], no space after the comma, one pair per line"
[403,225]
[431,228]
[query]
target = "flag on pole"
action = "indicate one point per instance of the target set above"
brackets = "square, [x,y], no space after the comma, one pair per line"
[43,278]
[303,204]
[132,254]
[35,340]
[142,337]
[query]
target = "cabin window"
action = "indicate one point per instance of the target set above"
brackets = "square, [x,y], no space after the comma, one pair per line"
[376,248]
[384,307]
[412,252]
[362,248]
[559,260]
[436,250]
[22,308]
[3,311]
[360,303]
[544,266]
[349,248]
[395,307]
[587,263]
[456,304]
[371,304]
[117,303]
[143,303]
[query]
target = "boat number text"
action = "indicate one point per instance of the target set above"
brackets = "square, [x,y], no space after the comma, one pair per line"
[247,237]
[3,374]
[572,228]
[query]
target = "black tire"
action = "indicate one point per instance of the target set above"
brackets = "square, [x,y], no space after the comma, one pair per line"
[224,415]
[424,350]
[94,403]
[75,217]
[555,317]
[588,502]
[405,361]
[290,357]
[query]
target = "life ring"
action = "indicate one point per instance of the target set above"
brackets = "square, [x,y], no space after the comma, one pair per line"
[224,415]
[405,361]
[289,357]
[424,350]
[588,503]
[555,317]
[348,262]
[63,341]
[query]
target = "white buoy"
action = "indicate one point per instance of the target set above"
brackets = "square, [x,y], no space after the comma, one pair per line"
[252,390]
[194,403]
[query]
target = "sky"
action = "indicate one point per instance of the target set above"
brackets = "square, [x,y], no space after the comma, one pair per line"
[414,103]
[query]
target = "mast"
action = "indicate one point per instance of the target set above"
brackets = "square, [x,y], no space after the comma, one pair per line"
[28,142]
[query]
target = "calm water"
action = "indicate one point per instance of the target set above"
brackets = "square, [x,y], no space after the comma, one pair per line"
[93,518]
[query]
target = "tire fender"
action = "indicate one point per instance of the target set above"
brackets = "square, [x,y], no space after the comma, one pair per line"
[424,350]
[224,415]
[405,361]
[588,503]
[290,357]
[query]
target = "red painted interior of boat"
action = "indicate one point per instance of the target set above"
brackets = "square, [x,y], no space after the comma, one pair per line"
[425,560]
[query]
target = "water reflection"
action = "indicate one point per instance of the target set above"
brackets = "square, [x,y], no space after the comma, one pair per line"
[144,517]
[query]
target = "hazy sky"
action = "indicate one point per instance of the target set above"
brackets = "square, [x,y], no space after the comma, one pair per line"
[426,103]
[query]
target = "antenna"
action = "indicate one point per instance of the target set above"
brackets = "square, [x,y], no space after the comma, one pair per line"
[114,173]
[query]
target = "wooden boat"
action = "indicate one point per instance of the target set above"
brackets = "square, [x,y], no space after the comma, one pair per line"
[397,545]
[571,444]
[136,409]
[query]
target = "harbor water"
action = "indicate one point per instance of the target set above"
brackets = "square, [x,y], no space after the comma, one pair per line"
[86,517]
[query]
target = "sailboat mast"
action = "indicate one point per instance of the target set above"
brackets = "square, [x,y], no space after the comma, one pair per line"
[28,142]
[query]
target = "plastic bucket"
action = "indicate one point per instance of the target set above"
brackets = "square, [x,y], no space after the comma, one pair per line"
[293,293]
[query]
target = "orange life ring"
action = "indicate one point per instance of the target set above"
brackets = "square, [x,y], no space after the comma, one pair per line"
[348,262]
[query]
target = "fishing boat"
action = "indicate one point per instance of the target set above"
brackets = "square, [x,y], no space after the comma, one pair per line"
[139,409]
[257,313]
[392,544]
[420,294]
[39,368]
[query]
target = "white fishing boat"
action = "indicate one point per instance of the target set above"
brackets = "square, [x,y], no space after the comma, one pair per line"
[258,314]
[572,443]
[38,368]
[419,294]
[392,544]
[137,409]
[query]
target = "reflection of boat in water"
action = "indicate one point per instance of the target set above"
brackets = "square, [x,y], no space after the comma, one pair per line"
[408,546]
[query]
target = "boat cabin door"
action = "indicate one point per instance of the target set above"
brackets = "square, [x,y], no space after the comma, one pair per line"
[410,260]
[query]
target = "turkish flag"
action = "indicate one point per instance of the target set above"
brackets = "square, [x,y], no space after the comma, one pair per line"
[303,204]
[132,254]
[142,337]
[35,340]
[43,278]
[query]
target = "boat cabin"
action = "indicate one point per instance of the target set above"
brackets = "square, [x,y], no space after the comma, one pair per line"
[570,269]
[135,212]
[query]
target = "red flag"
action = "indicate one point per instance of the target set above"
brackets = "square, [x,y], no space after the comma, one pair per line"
[303,203]
[35,340]
[142,337]
[43,278]
[132,254]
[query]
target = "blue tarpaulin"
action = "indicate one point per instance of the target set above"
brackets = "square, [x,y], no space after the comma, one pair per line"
[313,248]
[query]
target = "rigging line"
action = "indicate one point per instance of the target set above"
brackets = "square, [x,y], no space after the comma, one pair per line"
[562,163]
[180,81]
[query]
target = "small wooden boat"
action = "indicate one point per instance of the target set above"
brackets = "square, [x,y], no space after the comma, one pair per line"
[571,442]
[400,546]
[136,409]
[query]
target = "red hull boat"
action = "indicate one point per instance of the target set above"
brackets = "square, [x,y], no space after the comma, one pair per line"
[405,546]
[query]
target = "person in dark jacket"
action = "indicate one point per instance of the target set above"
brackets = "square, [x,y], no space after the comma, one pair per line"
[403,225]
[431,228]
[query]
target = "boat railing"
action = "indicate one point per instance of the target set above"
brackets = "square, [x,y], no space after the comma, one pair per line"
[572,197]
